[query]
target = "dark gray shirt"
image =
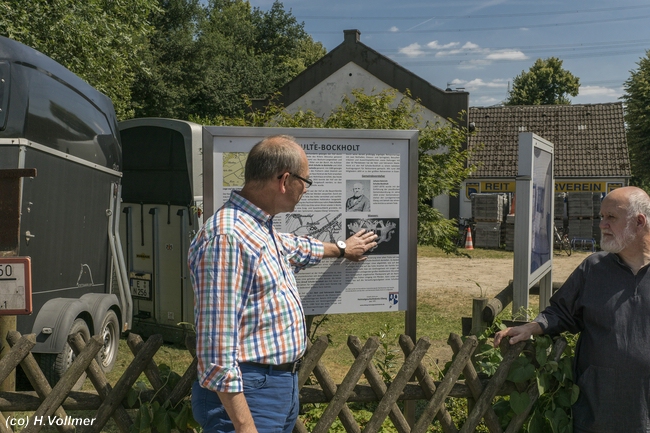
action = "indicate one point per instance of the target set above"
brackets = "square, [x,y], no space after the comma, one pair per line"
[610,307]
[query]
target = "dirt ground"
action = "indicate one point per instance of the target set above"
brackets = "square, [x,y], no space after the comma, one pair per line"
[450,284]
[460,274]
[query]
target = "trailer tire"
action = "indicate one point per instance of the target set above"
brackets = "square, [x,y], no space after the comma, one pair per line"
[110,333]
[54,365]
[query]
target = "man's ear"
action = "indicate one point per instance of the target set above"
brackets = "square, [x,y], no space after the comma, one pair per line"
[282,185]
[641,220]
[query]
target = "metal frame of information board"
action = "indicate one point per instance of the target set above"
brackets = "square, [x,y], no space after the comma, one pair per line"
[218,141]
[533,249]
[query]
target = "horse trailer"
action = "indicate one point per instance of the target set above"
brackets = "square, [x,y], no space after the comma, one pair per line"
[60,187]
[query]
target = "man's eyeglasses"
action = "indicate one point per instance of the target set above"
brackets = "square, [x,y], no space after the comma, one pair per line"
[308,182]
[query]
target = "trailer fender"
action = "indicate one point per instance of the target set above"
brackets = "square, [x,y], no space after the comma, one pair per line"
[53,323]
[98,305]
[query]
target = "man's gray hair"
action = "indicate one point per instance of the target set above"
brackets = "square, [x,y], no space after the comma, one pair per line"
[272,157]
[638,203]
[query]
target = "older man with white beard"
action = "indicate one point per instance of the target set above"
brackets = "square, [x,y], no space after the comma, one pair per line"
[607,300]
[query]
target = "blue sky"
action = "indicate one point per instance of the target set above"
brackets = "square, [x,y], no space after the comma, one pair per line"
[481,45]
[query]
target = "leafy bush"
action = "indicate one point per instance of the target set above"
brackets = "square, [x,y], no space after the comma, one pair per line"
[537,365]
[162,418]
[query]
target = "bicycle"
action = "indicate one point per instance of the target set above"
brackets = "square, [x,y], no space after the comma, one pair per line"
[464,224]
[562,241]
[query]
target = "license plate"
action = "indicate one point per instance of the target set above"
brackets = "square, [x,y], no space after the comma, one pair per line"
[15,286]
[140,288]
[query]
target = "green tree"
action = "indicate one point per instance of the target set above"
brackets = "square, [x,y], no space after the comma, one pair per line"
[546,83]
[161,88]
[637,120]
[101,41]
[243,52]
[283,43]
[207,60]
[441,155]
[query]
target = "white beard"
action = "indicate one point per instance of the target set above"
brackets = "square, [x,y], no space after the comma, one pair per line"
[616,244]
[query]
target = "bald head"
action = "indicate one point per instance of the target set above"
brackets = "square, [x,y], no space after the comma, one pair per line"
[273,156]
[624,221]
[634,200]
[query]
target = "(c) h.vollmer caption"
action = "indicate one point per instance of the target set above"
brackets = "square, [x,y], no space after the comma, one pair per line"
[48,421]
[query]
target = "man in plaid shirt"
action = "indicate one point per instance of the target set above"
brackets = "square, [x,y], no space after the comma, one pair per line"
[250,324]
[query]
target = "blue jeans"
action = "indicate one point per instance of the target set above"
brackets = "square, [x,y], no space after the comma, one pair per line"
[272,397]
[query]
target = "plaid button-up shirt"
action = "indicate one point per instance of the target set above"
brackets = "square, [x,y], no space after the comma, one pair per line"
[246,302]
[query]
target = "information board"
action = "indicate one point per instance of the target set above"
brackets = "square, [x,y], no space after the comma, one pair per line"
[15,286]
[533,249]
[361,179]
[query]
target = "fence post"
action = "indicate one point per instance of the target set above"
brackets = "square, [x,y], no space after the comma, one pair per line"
[478,324]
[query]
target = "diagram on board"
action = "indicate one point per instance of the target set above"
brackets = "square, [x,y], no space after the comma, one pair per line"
[326,228]
[386,229]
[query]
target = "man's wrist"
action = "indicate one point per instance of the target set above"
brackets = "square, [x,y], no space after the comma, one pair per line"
[341,245]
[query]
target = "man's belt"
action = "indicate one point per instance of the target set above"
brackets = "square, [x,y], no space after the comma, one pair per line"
[293,367]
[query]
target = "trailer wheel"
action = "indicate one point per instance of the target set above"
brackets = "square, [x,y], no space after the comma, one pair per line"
[54,365]
[110,333]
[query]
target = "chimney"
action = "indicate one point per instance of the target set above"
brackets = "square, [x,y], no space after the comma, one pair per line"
[351,36]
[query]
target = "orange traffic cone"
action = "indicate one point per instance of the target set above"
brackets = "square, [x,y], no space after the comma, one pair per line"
[469,245]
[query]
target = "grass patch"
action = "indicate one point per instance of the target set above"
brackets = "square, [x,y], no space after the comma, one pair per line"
[477,253]
[436,319]
[175,356]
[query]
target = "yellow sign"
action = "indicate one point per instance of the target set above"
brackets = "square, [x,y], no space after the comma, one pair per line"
[580,186]
[504,186]
[498,186]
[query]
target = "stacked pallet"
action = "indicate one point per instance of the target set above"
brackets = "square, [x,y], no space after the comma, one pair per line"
[488,234]
[581,228]
[558,206]
[510,232]
[489,211]
[489,207]
[583,210]
[580,205]
[596,225]
[598,197]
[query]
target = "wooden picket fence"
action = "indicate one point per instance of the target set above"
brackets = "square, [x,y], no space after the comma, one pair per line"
[411,383]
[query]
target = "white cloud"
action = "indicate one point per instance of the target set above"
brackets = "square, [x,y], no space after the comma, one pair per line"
[598,91]
[484,101]
[467,48]
[472,55]
[524,29]
[479,83]
[434,45]
[506,55]
[394,29]
[598,94]
[474,64]
[484,93]
[471,46]
[413,50]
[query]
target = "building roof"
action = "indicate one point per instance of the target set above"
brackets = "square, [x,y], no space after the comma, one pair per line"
[589,140]
[445,103]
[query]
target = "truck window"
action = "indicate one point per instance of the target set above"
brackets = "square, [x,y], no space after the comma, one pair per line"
[155,167]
